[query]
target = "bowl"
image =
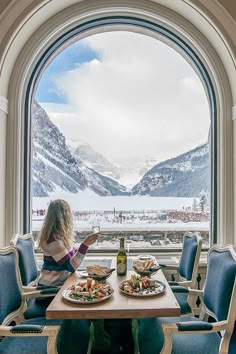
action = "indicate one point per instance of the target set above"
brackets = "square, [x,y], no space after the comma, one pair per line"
[99,277]
[146,265]
[148,272]
[146,257]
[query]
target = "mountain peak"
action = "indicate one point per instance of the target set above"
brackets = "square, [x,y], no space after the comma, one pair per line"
[97,161]
[186,175]
[54,165]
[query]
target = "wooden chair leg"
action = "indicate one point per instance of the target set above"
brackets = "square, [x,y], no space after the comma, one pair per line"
[167,347]
[52,345]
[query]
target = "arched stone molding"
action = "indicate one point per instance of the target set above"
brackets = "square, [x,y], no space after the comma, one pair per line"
[23,17]
[66,19]
[3,104]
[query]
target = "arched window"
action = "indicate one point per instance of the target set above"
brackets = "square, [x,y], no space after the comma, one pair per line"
[152,20]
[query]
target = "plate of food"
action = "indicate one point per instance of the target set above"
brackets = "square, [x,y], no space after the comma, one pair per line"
[96,272]
[141,286]
[89,291]
[146,267]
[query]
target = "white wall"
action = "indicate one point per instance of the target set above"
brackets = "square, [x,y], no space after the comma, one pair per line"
[3,120]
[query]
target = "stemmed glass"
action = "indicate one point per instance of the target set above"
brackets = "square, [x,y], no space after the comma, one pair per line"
[128,244]
[96,229]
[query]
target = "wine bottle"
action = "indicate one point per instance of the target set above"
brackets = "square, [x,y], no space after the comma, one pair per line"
[122,259]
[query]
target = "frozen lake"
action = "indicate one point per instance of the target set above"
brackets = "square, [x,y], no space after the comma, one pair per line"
[87,200]
[92,208]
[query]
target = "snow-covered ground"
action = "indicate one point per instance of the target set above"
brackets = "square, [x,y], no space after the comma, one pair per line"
[94,209]
[112,227]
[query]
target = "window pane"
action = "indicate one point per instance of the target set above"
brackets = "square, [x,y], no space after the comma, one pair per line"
[120,130]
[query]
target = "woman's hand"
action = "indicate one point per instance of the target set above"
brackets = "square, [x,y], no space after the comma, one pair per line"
[91,239]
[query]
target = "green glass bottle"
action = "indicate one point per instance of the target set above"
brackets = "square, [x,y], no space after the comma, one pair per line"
[122,259]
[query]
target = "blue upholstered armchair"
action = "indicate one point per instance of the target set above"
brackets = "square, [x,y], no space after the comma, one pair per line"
[185,335]
[27,261]
[33,336]
[24,245]
[188,271]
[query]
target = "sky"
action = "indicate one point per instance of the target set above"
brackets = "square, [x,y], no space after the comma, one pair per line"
[128,95]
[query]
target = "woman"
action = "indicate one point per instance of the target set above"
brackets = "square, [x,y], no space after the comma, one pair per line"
[56,241]
[60,260]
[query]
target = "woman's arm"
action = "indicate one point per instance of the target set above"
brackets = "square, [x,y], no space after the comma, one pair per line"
[66,257]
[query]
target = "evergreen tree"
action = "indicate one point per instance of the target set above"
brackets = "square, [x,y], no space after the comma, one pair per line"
[203,201]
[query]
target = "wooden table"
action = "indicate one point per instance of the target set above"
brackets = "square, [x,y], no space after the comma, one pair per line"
[118,306]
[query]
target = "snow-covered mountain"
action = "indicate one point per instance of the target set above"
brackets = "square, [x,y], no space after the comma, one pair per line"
[97,161]
[54,165]
[186,175]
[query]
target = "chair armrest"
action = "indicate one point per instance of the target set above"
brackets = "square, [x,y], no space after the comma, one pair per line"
[185,283]
[169,266]
[40,293]
[29,331]
[194,326]
[41,287]
[173,283]
[52,291]
[189,327]
[179,289]
[26,329]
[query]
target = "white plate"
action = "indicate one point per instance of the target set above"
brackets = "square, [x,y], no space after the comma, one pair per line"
[67,296]
[83,273]
[159,289]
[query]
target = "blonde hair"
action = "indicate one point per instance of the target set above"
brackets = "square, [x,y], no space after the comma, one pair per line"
[58,222]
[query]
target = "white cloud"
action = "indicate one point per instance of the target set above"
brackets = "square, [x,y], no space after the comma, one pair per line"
[141,98]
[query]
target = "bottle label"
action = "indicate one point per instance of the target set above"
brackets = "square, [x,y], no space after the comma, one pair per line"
[121,267]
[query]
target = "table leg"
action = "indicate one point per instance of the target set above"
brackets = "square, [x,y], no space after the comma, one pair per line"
[91,339]
[135,328]
[100,340]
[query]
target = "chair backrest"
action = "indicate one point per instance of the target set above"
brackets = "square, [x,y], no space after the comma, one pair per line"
[189,261]
[219,289]
[10,291]
[27,261]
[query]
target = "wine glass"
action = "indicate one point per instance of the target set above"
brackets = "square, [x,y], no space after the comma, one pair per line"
[128,244]
[96,229]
